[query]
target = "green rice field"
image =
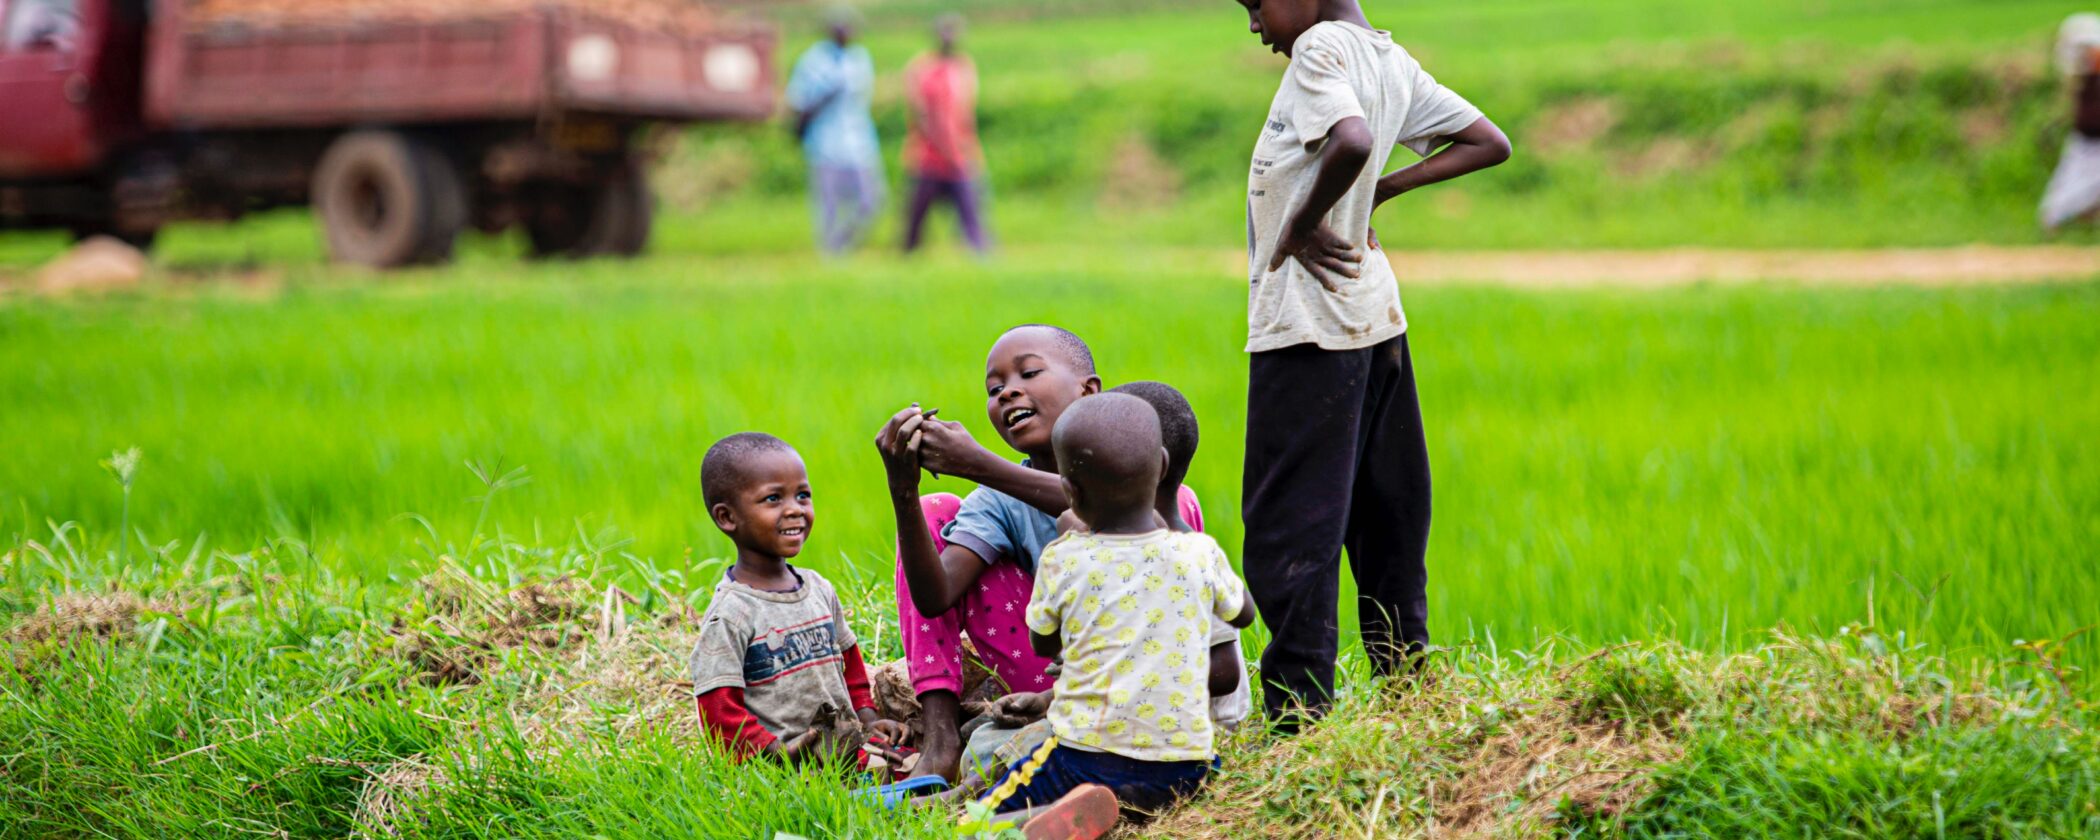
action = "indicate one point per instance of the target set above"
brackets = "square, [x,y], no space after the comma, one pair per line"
[420,554]
[1702,461]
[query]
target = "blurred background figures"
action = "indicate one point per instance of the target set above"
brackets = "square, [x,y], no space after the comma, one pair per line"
[941,151]
[2074,191]
[828,95]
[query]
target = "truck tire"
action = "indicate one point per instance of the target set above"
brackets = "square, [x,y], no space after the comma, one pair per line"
[608,218]
[448,202]
[386,200]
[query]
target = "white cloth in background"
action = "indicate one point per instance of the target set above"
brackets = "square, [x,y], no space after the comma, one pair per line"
[2076,43]
[2074,191]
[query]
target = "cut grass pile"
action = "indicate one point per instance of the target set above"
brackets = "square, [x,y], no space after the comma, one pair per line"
[257,693]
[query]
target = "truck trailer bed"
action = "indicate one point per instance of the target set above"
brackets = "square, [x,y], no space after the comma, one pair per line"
[517,63]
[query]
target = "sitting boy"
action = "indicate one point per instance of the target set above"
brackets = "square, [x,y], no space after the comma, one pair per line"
[776,670]
[1231,701]
[965,567]
[1125,603]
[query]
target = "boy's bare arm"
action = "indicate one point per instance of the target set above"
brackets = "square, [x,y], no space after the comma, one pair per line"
[937,580]
[1047,647]
[946,447]
[1225,670]
[1473,148]
[1306,238]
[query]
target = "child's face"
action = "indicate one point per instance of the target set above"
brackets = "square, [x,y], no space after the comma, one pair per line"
[1280,22]
[1028,381]
[772,512]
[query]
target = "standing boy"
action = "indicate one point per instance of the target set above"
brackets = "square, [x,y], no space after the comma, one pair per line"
[1336,456]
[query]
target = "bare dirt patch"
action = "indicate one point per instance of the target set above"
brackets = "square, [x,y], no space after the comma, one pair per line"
[1974,265]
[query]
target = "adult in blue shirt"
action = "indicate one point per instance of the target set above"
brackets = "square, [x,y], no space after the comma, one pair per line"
[828,92]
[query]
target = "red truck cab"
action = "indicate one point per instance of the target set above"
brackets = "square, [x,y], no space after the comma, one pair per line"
[117,116]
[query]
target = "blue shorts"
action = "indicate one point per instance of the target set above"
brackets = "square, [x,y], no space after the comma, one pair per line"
[1141,787]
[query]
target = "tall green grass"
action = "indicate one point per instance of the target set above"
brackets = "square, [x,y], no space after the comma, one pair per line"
[1698,461]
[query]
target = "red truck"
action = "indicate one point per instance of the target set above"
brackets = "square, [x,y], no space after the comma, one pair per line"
[117,116]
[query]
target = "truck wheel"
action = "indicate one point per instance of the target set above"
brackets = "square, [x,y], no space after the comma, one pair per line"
[387,200]
[448,204]
[609,218]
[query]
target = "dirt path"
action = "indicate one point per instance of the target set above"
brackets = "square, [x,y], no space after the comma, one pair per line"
[1970,265]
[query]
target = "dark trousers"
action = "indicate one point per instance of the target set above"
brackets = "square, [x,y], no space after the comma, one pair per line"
[1142,788]
[961,192]
[1335,459]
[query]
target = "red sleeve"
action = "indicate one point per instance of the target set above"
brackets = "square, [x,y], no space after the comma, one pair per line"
[723,712]
[857,687]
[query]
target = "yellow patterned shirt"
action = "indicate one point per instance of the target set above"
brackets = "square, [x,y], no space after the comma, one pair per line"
[1134,611]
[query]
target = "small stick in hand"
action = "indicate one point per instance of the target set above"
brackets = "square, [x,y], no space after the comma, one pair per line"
[927,415]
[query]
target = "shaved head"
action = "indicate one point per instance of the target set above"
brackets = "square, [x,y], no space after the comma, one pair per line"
[1177,427]
[722,470]
[1108,449]
[1070,347]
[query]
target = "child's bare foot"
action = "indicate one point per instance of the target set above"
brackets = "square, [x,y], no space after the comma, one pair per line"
[940,746]
[1089,811]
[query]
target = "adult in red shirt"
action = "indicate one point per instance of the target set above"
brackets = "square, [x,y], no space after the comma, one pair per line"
[941,152]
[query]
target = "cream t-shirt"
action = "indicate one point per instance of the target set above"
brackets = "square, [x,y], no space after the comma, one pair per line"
[1134,611]
[1337,71]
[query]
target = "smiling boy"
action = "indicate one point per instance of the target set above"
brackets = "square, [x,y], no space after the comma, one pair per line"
[1336,455]
[774,649]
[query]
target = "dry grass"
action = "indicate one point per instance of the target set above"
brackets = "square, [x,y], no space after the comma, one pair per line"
[99,615]
[1488,748]
[390,797]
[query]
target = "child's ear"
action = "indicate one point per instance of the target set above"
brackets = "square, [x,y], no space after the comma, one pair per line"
[724,516]
[1091,386]
[1166,461]
[1071,492]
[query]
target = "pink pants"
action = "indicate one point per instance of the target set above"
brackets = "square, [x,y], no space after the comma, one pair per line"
[991,615]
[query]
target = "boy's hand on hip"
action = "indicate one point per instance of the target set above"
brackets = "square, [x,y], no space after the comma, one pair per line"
[1325,255]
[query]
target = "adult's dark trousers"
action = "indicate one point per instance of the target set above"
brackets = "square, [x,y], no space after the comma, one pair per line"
[967,194]
[1336,459]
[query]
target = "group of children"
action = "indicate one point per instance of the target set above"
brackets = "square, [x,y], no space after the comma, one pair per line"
[1129,620]
[1080,577]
